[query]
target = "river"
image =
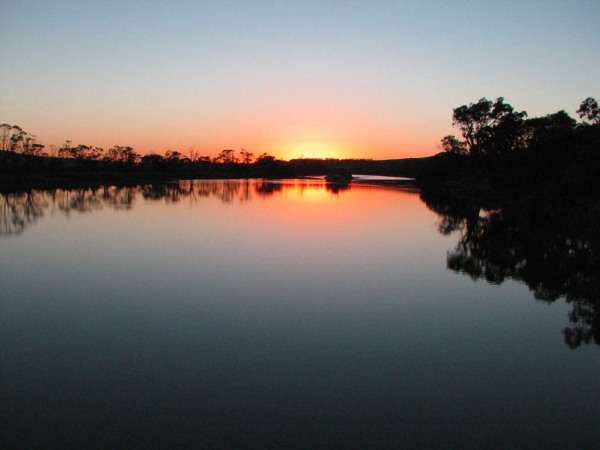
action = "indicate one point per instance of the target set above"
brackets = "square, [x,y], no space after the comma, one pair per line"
[273,314]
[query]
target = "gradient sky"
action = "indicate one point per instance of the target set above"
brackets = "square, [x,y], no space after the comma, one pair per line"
[370,79]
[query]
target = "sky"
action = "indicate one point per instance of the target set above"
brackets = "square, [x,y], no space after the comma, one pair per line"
[340,79]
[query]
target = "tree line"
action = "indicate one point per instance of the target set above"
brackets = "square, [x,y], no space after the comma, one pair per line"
[14,139]
[502,154]
[499,149]
[495,128]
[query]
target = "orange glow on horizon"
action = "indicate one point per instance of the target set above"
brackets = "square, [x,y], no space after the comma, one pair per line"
[309,150]
[273,135]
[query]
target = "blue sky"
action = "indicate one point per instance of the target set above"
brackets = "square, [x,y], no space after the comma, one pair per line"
[341,79]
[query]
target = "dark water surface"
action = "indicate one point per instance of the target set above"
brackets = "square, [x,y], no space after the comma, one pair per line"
[252,314]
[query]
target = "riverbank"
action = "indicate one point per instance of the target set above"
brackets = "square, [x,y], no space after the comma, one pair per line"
[41,172]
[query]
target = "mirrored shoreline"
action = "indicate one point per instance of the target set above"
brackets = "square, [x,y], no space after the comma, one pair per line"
[254,312]
[21,209]
[555,259]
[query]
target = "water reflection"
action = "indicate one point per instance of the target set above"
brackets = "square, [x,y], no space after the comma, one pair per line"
[18,210]
[555,252]
[21,209]
[228,314]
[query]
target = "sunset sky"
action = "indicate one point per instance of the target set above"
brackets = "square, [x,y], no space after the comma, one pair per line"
[343,79]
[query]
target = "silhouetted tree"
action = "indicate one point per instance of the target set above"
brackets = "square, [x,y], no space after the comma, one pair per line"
[194,154]
[96,153]
[65,150]
[489,128]
[81,151]
[29,146]
[13,138]
[588,110]
[152,158]
[173,155]
[265,158]
[452,145]
[16,138]
[123,154]
[246,156]
[226,156]
[544,131]
[5,133]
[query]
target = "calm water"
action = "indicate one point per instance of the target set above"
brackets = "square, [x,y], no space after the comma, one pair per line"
[248,314]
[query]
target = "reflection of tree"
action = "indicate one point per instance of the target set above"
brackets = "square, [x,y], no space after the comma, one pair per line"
[267,188]
[169,192]
[556,253]
[19,210]
[154,191]
[79,200]
[337,187]
[87,200]
[246,194]
[120,197]
[226,191]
